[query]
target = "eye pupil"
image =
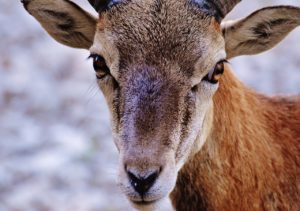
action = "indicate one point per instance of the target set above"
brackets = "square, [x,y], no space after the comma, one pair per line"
[220,68]
[100,66]
[215,75]
[99,63]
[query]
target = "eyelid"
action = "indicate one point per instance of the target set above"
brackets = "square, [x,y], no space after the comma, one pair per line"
[93,56]
[224,61]
[198,78]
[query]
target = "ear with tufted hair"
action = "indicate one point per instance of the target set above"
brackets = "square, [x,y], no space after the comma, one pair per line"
[65,21]
[260,31]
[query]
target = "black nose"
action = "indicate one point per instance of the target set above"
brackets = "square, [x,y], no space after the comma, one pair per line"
[140,184]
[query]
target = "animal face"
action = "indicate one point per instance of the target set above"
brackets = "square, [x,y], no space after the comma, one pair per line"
[158,63]
[158,54]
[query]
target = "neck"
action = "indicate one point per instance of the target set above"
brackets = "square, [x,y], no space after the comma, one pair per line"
[243,159]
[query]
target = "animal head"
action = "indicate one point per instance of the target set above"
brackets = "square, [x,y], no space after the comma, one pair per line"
[158,63]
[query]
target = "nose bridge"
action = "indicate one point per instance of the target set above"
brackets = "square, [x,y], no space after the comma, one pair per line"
[150,114]
[149,117]
[151,104]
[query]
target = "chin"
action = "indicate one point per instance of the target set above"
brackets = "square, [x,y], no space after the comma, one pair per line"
[163,204]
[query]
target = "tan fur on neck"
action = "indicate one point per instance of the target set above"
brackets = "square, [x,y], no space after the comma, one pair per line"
[251,161]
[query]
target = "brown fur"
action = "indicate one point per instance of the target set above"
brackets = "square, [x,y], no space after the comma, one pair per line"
[251,160]
[158,53]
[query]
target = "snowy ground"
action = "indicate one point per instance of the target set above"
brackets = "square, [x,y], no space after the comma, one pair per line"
[56,151]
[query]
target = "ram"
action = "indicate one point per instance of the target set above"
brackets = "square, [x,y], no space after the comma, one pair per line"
[184,125]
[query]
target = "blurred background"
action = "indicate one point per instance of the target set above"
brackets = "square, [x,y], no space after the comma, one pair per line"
[56,150]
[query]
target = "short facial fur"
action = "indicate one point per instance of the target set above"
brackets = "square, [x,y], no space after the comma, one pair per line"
[158,53]
[158,118]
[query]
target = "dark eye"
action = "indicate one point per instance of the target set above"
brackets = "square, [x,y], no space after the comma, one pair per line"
[215,74]
[100,66]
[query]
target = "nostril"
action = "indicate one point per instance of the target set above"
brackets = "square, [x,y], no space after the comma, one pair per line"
[142,184]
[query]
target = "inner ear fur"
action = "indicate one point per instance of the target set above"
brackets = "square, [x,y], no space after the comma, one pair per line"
[260,31]
[65,21]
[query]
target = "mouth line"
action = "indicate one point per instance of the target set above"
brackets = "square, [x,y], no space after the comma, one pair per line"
[144,203]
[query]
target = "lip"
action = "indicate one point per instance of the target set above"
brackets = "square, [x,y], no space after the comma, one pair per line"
[143,200]
[144,203]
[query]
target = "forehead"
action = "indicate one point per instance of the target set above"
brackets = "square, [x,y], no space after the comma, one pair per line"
[155,32]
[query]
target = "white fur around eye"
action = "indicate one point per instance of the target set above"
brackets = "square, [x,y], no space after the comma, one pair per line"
[207,89]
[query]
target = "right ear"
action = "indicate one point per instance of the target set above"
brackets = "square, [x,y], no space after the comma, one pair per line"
[65,21]
[260,31]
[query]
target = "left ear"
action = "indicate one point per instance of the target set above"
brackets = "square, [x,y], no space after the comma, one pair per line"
[260,31]
[65,21]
